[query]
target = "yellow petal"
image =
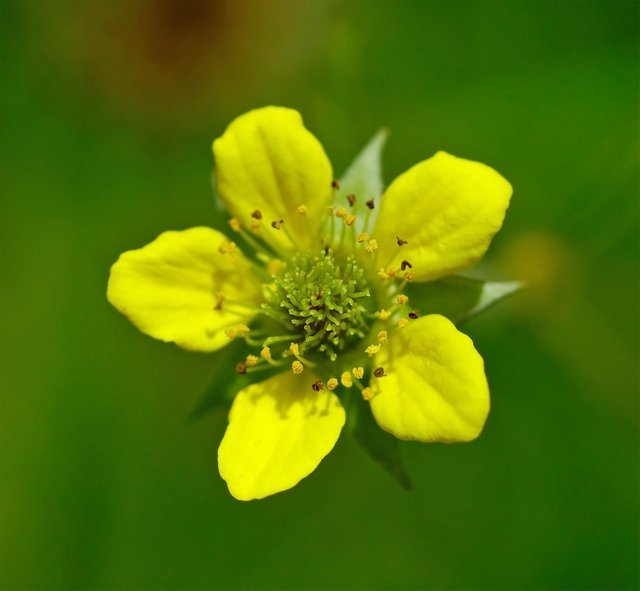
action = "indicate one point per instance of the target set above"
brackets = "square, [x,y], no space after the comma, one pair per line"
[435,388]
[266,160]
[279,431]
[171,287]
[447,209]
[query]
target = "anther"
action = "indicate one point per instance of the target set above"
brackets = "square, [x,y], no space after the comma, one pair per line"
[231,333]
[226,247]
[242,330]
[405,264]
[341,212]
[317,385]
[367,393]
[254,225]
[371,204]
[219,300]
[277,224]
[358,372]
[251,360]
[331,209]
[383,314]
[400,241]
[363,237]
[295,349]
[349,219]
[382,274]
[351,198]
[379,372]
[402,323]
[241,369]
[371,350]
[372,245]
[256,215]
[332,384]
[346,380]
[335,184]
[414,314]
[302,209]
[266,353]
[297,367]
[409,276]
[382,336]
[235,224]
[402,299]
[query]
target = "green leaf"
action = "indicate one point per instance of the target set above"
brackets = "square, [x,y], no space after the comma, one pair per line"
[364,180]
[459,298]
[224,383]
[382,447]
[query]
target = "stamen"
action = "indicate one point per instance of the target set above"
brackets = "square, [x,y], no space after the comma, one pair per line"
[349,219]
[255,225]
[302,209]
[405,264]
[335,183]
[414,314]
[341,213]
[297,367]
[219,300]
[372,245]
[409,276]
[400,241]
[317,385]
[383,274]
[251,360]
[226,247]
[332,384]
[242,330]
[265,353]
[383,315]
[371,204]
[402,323]
[256,215]
[371,350]
[277,224]
[402,299]
[363,237]
[367,393]
[346,380]
[235,224]
[358,372]
[351,198]
[241,368]
[382,336]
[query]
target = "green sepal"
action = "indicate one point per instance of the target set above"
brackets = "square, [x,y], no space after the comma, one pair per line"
[379,445]
[459,298]
[224,383]
[363,179]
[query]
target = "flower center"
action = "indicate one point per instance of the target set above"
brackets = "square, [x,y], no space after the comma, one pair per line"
[321,299]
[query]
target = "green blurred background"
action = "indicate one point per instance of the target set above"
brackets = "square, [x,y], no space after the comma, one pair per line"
[108,112]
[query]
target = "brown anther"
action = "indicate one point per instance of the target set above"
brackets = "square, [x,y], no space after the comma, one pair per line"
[405,264]
[317,385]
[400,241]
[257,215]
[414,314]
[371,204]
[241,369]
[277,224]
[219,301]
[335,183]
[379,372]
[351,198]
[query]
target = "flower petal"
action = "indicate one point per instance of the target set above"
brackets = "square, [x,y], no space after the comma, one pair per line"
[436,389]
[266,160]
[448,209]
[279,431]
[168,288]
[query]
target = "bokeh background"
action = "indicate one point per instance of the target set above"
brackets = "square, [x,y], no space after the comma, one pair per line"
[108,112]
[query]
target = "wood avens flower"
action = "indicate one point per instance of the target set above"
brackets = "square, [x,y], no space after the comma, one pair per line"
[314,282]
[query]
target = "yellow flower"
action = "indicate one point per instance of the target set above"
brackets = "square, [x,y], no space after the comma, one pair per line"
[324,288]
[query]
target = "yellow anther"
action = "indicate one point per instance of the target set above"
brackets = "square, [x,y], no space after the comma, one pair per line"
[382,336]
[402,299]
[231,333]
[295,349]
[332,384]
[266,353]
[367,393]
[409,276]
[391,272]
[331,209]
[358,372]
[274,266]
[346,380]
[349,219]
[226,247]
[371,350]
[402,322]
[254,225]
[383,314]
[383,274]
[242,330]
[363,237]
[372,245]
[235,224]
[297,367]
[302,209]
[251,360]
[341,213]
